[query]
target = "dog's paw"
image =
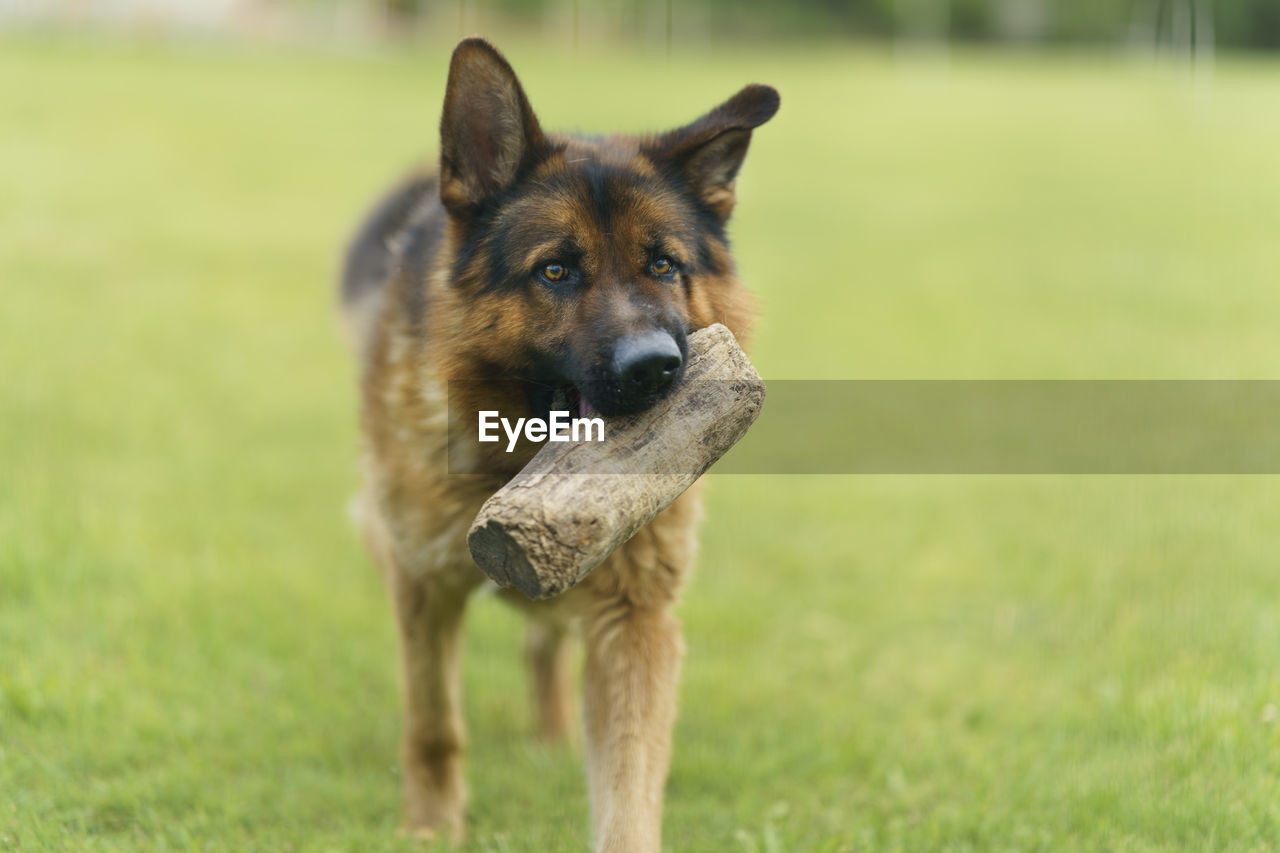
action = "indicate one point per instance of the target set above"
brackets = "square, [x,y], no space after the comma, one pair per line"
[453,831]
[435,826]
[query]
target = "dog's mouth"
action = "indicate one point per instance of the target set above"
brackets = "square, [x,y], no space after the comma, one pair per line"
[568,398]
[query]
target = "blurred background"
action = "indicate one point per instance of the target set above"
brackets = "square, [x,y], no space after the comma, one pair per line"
[1231,23]
[195,652]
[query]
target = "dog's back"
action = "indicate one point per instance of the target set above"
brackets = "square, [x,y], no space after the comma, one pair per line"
[390,254]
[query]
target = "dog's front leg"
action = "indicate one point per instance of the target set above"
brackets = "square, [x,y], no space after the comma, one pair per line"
[547,655]
[429,613]
[633,662]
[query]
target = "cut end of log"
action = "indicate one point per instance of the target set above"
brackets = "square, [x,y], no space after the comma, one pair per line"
[503,560]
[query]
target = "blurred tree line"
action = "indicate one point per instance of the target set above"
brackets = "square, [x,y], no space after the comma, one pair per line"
[1232,23]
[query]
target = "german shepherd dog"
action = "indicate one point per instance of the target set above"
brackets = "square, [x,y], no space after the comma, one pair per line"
[560,271]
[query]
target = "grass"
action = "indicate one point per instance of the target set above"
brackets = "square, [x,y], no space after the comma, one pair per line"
[195,654]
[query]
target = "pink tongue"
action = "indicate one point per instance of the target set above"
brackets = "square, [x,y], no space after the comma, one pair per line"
[585,409]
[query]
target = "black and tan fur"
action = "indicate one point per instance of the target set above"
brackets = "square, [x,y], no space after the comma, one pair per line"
[528,262]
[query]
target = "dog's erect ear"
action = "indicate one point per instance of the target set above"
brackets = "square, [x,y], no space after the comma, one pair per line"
[488,131]
[709,152]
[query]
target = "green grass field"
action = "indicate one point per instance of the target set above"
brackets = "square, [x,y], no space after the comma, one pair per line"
[195,653]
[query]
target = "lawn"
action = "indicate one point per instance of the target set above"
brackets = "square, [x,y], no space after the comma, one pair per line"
[196,654]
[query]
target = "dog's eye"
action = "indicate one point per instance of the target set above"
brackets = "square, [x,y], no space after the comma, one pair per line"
[555,272]
[662,266]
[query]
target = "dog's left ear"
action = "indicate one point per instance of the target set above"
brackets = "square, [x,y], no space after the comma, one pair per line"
[488,132]
[709,152]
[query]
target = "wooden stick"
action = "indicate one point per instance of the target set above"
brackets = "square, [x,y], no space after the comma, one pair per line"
[575,503]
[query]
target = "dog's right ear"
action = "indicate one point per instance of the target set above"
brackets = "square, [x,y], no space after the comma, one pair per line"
[488,131]
[709,152]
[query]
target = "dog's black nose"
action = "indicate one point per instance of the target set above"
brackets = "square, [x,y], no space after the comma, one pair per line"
[647,365]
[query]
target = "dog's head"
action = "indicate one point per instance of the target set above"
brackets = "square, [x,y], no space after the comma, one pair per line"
[581,264]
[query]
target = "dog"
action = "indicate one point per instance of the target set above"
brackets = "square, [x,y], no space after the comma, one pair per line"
[532,271]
